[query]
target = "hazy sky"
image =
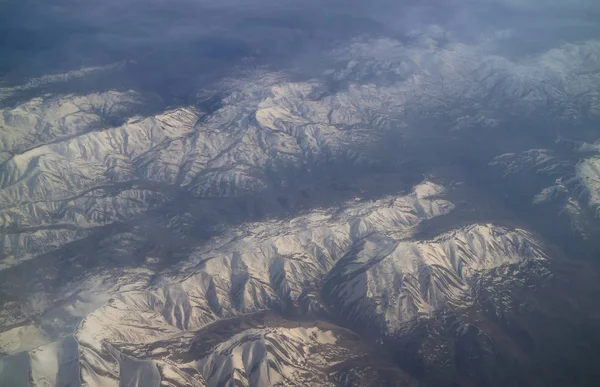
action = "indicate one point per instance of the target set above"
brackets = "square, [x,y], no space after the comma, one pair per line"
[38,37]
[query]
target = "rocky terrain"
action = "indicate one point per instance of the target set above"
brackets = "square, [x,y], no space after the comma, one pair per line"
[420,212]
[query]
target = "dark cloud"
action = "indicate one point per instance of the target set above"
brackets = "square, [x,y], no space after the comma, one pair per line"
[171,47]
[38,36]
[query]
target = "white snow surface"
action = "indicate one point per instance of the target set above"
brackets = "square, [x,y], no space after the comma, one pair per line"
[364,249]
[66,167]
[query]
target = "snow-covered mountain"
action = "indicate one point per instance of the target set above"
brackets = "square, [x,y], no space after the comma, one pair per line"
[358,264]
[347,228]
[73,163]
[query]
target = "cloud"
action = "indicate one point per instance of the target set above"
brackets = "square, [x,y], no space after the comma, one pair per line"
[172,46]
